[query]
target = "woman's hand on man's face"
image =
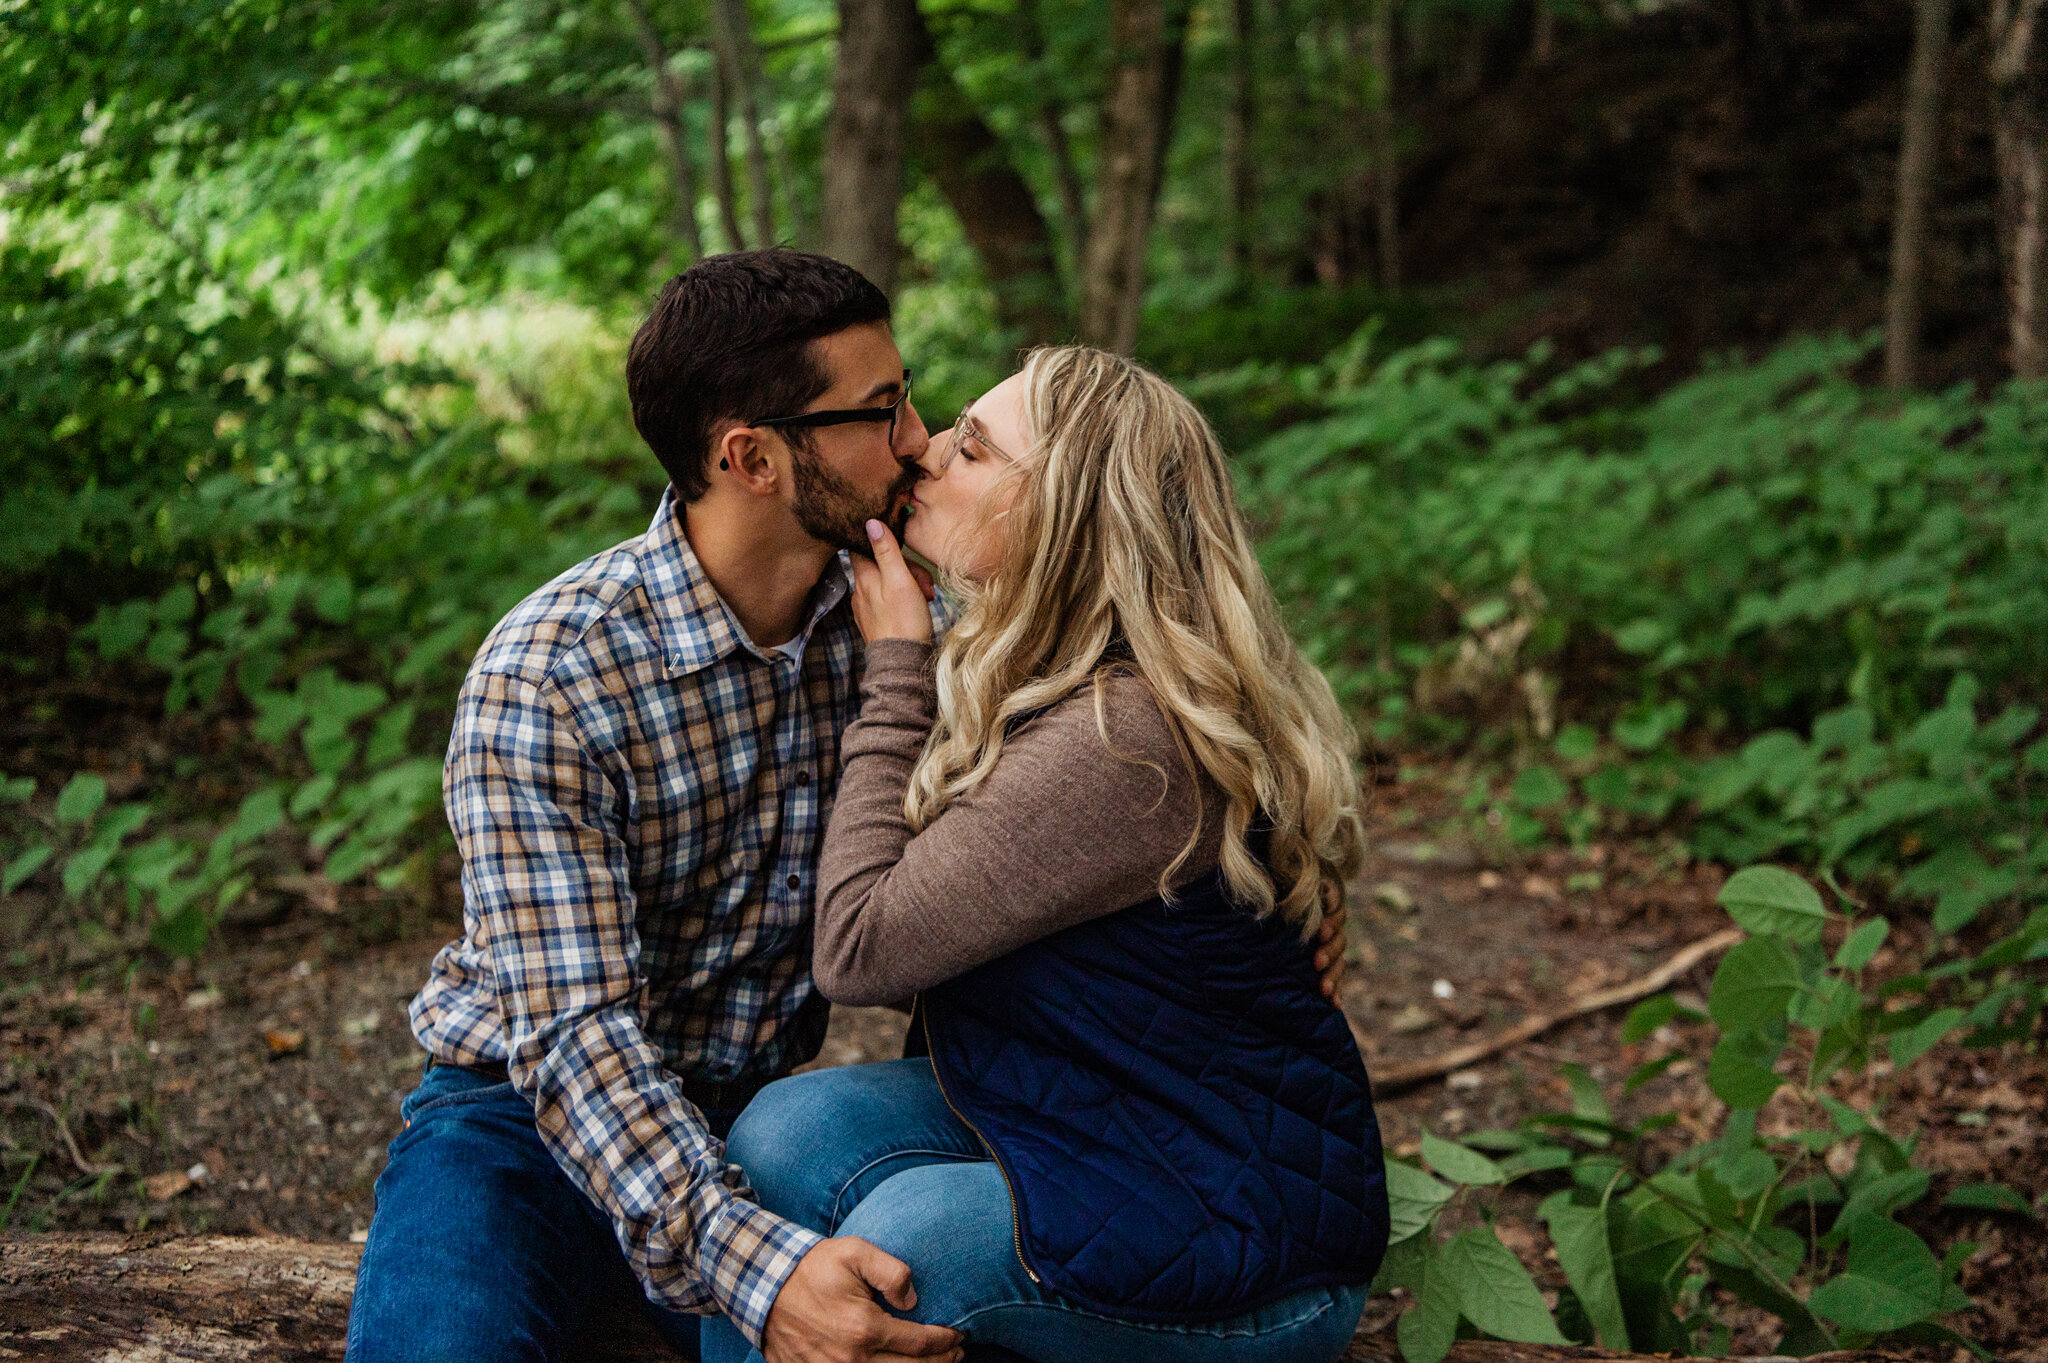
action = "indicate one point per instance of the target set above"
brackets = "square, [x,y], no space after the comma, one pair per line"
[891,598]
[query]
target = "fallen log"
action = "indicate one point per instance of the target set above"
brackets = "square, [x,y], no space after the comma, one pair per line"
[68,1298]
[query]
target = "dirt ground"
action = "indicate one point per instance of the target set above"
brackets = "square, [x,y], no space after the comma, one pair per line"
[278,1059]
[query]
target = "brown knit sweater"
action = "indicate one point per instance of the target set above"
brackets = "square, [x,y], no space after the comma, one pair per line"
[1066,828]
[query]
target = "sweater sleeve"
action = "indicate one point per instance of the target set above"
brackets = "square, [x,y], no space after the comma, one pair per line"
[1065,828]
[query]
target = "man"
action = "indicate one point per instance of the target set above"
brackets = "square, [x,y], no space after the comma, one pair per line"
[642,760]
[638,776]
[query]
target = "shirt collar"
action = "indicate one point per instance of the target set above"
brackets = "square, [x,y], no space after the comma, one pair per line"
[698,628]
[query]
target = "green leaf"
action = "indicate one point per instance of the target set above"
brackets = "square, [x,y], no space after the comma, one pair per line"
[183,933]
[261,811]
[311,797]
[1644,1073]
[1495,1292]
[1414,1199]
[1459,1164]
[1990,1197]
[24,866]
[1647,1016]
[1746,1172]
[1587,1099]
[1893,1280]
[1404,1264]
[1919,1039]
[1427,1329]
[1539,787]
[1771,900]
[1739,1071]
[1580,1236]
[1875,1198]
[1576,743]
[1756,982]
[82,872]
[1862,944]
[81,798]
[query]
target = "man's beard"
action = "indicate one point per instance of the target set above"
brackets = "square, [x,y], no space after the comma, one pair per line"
[832,511]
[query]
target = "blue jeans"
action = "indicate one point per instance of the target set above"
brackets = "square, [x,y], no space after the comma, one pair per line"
[873,1151]
[482,1250]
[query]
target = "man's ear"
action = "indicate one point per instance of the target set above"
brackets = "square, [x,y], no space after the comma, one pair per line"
[741,453]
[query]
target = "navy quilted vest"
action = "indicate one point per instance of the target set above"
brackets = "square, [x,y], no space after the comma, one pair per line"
[1184,1121]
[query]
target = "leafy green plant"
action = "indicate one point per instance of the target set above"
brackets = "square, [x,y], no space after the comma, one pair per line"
[1758,1211]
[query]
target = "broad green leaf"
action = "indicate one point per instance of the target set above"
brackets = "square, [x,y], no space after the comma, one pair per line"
[1755,983]
[1746,1172]
[1875,1198]
[1427,1329]
[261,811]
[82,872]
[1739,1071]
[1576,743]
[311,797]
[24,866]
[1539,787]
[1644,1073]
[1495,1292]
[1413,1198]
[183,933]
[1990,1197]
[1580,1236]
[1771,900]
[1646,1017]
[1587,1099]
[1922,1037]
[1403,1265]
[81,798]
[1459,1164]
[1862,944]
[1892,1280]
[1829,1002]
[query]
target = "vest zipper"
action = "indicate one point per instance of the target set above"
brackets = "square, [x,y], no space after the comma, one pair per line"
[924,1019]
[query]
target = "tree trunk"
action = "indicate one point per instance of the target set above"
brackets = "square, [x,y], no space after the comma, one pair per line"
[721,156]
[1145,37]
[1052,130]
[1917,138]
[995,206]
[667,106]
[1240,174]
[2019,120]
[733,35]
[863,171]
[1386,156]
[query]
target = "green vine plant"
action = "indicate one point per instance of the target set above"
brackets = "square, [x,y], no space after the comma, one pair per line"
[1769,1219]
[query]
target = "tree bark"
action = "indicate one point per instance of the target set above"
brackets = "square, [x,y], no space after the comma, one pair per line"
[996,208]
[733,36]
[2019,121]
[872,84]
[1052,130]
[667,104]
[721,156]
[1917,139]
[1386,155]
[1145,38]
[1240,173]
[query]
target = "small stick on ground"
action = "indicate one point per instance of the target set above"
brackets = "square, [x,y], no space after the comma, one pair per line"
[1393,1078]
[64,1133]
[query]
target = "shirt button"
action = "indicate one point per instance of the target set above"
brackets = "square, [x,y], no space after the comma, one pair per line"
[794,882]
[803,778]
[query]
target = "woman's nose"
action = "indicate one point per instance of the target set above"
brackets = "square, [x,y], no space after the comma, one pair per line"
[935,456]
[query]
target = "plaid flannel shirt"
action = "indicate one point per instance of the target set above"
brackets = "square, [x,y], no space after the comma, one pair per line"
[638,792]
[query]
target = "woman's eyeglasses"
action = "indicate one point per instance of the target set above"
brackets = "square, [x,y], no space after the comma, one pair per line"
[964,430]
[845,416]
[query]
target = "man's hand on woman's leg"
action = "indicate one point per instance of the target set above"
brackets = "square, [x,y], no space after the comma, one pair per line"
[827,1313]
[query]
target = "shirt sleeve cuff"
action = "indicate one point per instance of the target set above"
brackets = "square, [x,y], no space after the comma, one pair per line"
[748,1254]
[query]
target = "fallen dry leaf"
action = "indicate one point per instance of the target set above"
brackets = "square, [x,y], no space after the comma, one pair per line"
[1412,1019]
[167,1185]
[1394,896]
[282,1042]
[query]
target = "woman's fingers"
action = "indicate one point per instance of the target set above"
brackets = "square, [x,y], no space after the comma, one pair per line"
[888,600]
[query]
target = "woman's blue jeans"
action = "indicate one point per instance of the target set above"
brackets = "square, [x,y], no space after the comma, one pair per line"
[482,1250]
[873,1151]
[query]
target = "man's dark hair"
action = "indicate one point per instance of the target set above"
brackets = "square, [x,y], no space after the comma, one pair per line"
[729,339]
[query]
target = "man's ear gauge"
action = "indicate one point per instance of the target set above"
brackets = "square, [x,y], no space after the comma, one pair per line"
[725,463]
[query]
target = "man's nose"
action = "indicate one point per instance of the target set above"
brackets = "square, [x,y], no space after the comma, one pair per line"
[912,439]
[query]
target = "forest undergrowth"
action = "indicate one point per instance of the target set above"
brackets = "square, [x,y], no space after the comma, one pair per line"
[1768,613]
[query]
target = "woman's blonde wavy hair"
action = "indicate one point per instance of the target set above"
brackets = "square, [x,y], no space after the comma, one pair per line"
[1126,551]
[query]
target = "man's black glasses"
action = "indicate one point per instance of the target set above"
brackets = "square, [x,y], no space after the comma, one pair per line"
[846,415]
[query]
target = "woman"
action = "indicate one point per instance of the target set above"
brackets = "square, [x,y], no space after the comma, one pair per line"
[1091,836]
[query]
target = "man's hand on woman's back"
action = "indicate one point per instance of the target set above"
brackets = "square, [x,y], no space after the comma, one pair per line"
[827,1313]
